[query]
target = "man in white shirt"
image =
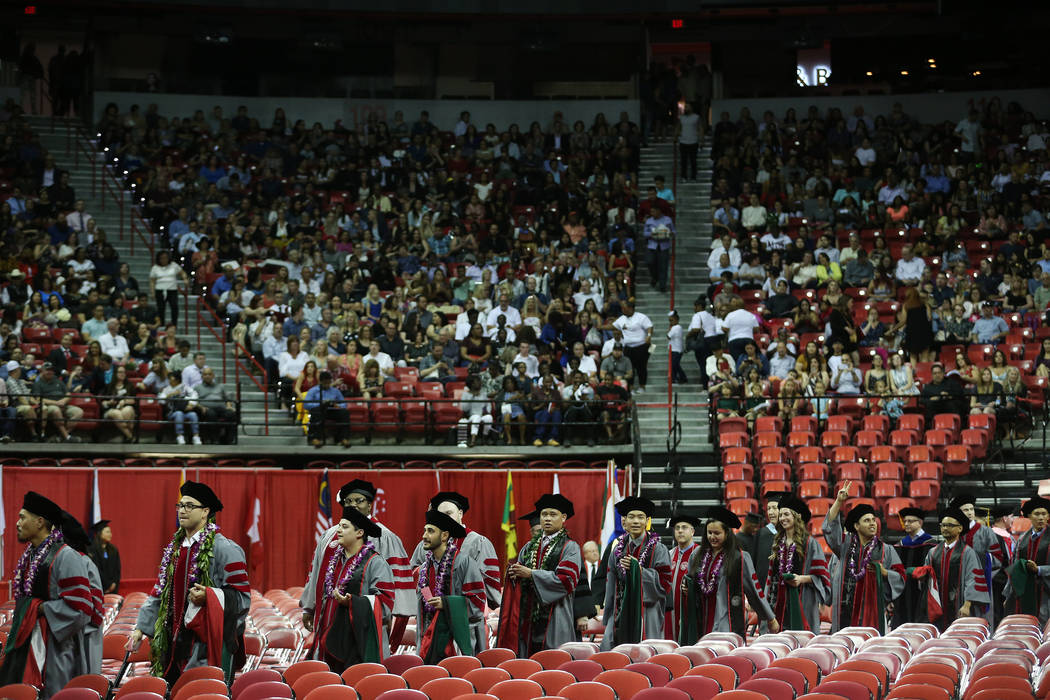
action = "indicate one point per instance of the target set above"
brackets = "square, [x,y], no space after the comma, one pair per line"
[891,190]
[775,240]
[460,129]
[192,375]
[504,309]
[637,331]
[725,245]
[113,343]
[688,131]
[825,246]
[587,364]
[753,217]
[739,326]
[308,283]
[910,268]
[386,363]
[78,218]
[706,327]
[525,356]
[580,298]
[865,153]
[850,253]
[969,131]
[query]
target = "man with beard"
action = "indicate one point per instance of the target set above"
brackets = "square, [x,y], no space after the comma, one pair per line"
[869,575]
[538,601]
[684,531]
[450,592]
[912,550]
[361,495]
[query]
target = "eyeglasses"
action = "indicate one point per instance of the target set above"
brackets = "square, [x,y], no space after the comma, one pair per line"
[354,501]
[186,506]
[950,525]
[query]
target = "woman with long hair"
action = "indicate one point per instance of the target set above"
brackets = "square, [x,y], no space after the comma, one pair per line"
[105,556]
[118,404]
[798,582]
[720,576]
[986,394]
[914,319]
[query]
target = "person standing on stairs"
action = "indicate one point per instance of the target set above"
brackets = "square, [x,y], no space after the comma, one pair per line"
[637,332]
[164,284]
[674,343]
[659,231]
[688,133]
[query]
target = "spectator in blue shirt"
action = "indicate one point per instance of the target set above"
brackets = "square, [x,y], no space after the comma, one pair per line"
[659,231]
[936,181]
[224,283]
[663,191]
[989,328]
[294,324]
[328,413]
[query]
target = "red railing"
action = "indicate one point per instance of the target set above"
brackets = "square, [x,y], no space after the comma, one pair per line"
[674,250]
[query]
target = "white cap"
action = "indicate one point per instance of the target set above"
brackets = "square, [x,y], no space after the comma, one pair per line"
[12,366]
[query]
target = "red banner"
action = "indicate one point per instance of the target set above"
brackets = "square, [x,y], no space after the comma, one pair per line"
[140,503]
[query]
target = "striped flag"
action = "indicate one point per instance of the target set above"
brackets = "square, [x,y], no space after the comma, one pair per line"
[612,527]
[96,500]
[509,526]
[324,508]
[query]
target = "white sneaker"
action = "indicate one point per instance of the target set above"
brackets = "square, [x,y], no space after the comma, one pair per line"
[197,440]
[461,445]
[180,440]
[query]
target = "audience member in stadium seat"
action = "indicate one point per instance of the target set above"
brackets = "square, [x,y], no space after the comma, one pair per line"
[216,408]
[179,403]
[941,396]
[547,414]
[328,412]
[989,328]
[53,397]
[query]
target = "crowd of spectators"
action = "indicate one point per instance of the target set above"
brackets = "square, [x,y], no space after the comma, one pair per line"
[408,252]
[878,256]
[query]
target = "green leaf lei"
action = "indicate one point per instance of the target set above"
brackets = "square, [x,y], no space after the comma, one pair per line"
[533,559]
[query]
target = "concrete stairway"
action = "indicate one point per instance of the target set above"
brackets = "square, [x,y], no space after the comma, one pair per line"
[54,136]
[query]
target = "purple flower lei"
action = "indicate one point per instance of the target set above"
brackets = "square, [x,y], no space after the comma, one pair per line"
[709,572]
[28,563]
[330,583]
[858,569]
[169,553]
[621,547]
[444,568]
[785,557]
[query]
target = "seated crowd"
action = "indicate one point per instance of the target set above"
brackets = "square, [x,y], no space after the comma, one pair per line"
[881,257]
[397,253]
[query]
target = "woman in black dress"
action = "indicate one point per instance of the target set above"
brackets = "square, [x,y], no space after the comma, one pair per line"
[918,329]
[105,556]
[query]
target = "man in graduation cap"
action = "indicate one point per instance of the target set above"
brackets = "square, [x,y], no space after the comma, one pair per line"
[538,598]
[361,495]
[450,592]
[997,516]
[91,652]
[1028,590]
[195,614]
[354,595]
[912,550]
[869,575]
[475,546]
[765,536]
[639,578]
[684,530]
[53,602]
[953,573]
[984,542]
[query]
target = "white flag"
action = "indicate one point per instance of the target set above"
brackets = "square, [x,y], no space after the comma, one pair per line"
[96,500]
[557,488]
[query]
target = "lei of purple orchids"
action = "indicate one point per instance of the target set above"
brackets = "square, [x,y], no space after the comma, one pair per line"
[709,572]
[443,570]
[859,568]
[169,552]
[621,547]
[29,562]
[330,583]
[785,557]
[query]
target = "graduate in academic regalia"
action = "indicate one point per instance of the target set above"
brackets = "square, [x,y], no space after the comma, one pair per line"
[766,534]
[77,538]
[869,575]
[196,613]
[986,544]
[538,610]
[997,516]
[639,578]
[720,576]
[450,592]
[953,573]
[53,603]
[105,555]
[912,550]
[474,545]
[798,581]
[361,495]
[348,626]
[1028,589]
[685,528]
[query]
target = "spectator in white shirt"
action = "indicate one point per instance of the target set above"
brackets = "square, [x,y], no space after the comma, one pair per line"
[910,268]
[637,331]
[525,356]
[707,330]
[192,375]
[113,343]
[865,153]
[585,293]
[891,190]
[739,325]
[385,362]
[726,245]
[753,217]
[78,218]
[775,240]
[782,362]
[846,379]
[505,309]
[587,363]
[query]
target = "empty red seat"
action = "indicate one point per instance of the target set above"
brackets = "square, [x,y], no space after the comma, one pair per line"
[736,455]
[883,453]
[813,471]
[734,439]
[889,471]
[810,454]
[883,490]
[774,486]
[777,471]
[912,421]
[976,439]
[834,438]
[877,423]
[740,489]
[732,424]
[948,421]
[958,459]
[812,489]
[938,440]
[844,453]
[927,470]
[762,440]
[768,424]
[850,471]
[913,454]
[804,424]
[769,455]
[738,472]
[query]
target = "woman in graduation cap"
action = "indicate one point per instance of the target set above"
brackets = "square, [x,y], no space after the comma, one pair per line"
[348,627]
[953,573]
[869,575]
[798,580]
[639,581]
[912,550]
[1028,590]
[537,611]
[720,576]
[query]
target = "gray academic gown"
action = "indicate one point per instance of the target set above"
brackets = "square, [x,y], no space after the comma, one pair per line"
[750,589]
[468,582]
[656,578]
[555,590]
[477,547]
[893,585]
[376,572]
[985,544]
[393,552]
[813,594]
[228,573]
[967,588]
[67,610]
[1037,552]
[92,650]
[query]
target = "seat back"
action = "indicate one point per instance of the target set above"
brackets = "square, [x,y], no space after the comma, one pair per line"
[624,682]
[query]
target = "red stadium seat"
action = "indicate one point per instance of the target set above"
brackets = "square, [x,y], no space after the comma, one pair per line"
[738,472]
[768,424]
[775,486]
[739,489]
[850,471]
[925,493]
[927,470]
[697,687]
[811,454]
[840,423]
[733,424]
[883,490]
[775,472]
[812,489]
[813,471]
[845,453]
[958,459]
[876,423]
